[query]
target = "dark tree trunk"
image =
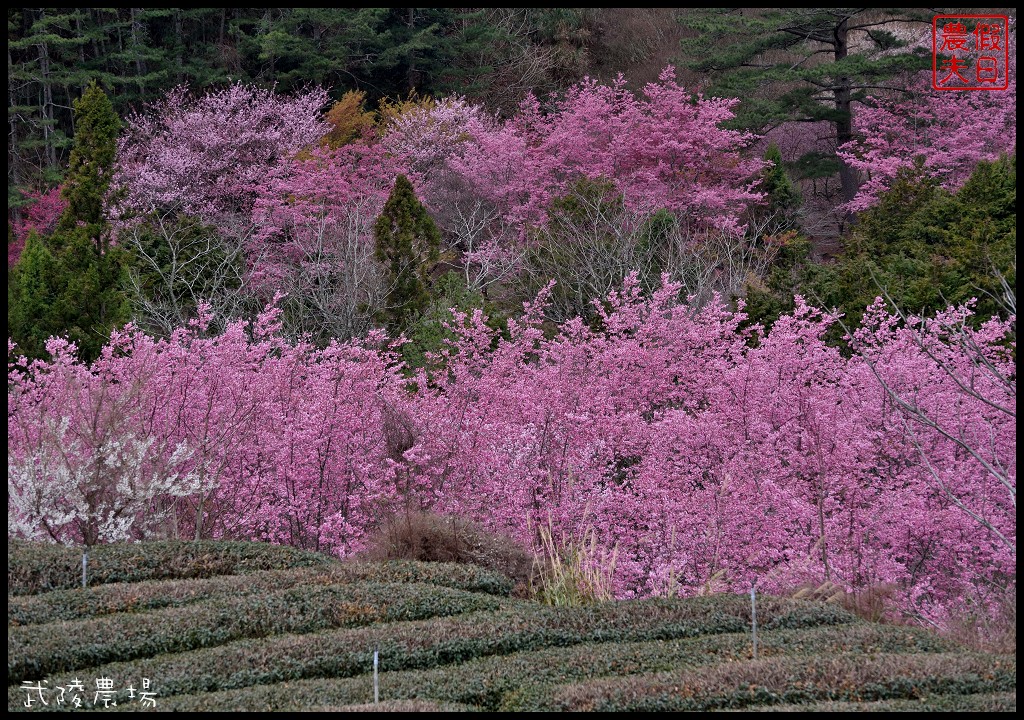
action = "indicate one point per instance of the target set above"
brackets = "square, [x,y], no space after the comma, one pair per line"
[412,76]
[844,122]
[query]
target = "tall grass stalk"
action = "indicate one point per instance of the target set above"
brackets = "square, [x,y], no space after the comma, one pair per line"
[575,570]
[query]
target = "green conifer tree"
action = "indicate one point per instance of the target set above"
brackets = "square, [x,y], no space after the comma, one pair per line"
[91,165]
[407,242]
[927,248]
[779,190]
[29,299]
[803,64]
[69,284]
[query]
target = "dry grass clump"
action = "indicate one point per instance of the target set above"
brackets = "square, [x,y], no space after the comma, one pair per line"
[995,633]
[574,571]
[428,537]
[874,604]
[568,572]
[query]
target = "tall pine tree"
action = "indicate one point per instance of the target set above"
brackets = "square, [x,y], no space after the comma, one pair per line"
[804,64]
[407,242]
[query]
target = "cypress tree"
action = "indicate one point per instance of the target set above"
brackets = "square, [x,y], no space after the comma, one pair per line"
[69,284]
[407,243]
[781,194]
[91,165]
[29,299]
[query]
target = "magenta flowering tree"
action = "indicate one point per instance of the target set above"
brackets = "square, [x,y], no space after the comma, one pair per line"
[708,464]
[40,216]
[953,390]
[948,133]
[81,467]
[703,456]
[663,149]
[247,162]
[207,155]
[428,137]
[237,435]
[559,429]
[304,191]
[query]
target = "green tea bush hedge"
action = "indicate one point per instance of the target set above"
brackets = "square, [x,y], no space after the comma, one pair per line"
[82,603]
[984,702]
[789,680]
[250,627]
[39,650]
[35,567]
[489,682]
[431,643]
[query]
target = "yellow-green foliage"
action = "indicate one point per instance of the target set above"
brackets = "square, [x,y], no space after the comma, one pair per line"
[350,120]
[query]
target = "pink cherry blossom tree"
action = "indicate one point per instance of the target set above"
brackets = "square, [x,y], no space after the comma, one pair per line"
[206,155]
[702,456]
[948,133]
[236,435]
[40,216]
[663,149]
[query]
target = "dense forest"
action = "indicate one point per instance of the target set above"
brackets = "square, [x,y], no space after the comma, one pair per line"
[728,294]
